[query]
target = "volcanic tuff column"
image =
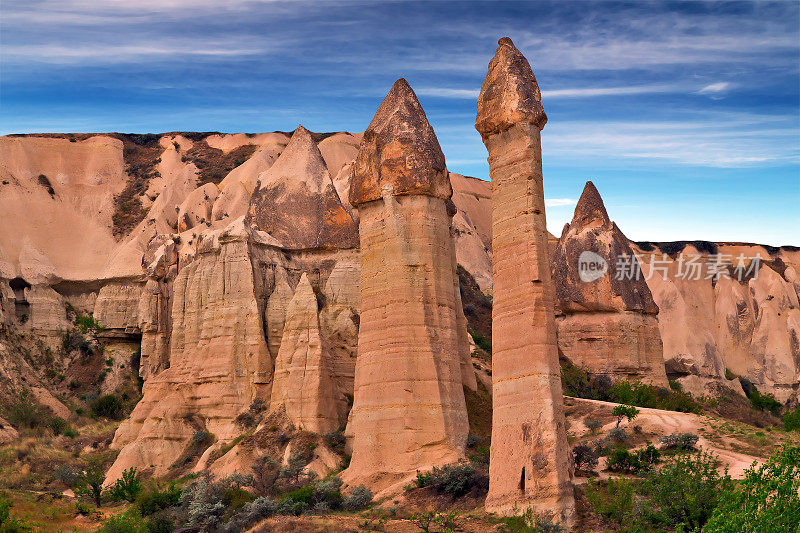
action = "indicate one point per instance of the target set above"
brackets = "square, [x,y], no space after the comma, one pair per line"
[607,322]
[530,463]
[409,411]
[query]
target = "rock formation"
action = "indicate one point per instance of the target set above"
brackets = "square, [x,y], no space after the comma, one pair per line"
[303,384]
[409,411]
[715,329]
[607,323]
[530,461]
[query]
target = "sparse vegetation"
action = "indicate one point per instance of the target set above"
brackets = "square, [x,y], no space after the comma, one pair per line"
[579,383]
[455,480]
[213,164]
[108,406]
[791,420]
[765,500]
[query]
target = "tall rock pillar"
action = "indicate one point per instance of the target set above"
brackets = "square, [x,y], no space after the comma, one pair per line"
[530,463]
[409,411]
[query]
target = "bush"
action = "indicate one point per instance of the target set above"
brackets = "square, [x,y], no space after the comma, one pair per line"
[618,435]
[127,487]
[585,458]
[766,500]
[359,498]
[625,411]
[455,480]
[579,383]
[683,493]
[24,412]
[481,455]
[613,499]
[335,439]
[90,484]
[252,513]
[791,420]
[764,402]
[594,425]
[680,441]
[473,440]
[108,406]
[622,461]
[328,492]
[155,499]
[128,522]
[648,456]
[86,323]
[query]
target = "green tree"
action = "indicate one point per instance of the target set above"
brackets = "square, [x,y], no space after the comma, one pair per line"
[684,492]
[625,411]
[766,500]
[91,484]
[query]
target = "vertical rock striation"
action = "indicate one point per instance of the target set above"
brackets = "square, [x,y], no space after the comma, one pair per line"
[607,322]
[530,459]
[303,384]
[409,411]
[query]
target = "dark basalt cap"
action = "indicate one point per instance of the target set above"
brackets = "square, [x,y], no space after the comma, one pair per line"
[509,94]
[399,149]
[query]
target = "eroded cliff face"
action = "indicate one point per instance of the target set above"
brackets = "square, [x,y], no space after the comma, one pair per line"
[607,321]
[198,273]
[713,326]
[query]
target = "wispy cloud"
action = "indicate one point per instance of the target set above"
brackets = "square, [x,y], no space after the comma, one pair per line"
[714,89]
[559,202]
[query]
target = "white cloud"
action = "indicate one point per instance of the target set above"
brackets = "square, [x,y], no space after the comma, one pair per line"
[448,92]
[607,91]
[559,202]
[715,88]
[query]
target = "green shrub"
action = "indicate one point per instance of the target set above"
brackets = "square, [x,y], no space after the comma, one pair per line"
[90,484]
[791,420]
[155,499]
[360,498]
[613,499]
[764,402]
[579,383]
[455,480]
[126,487]
[683,493]
[86,323]
[766,500]
[24,412]
[128,522]
[680,441]
[622,461]
[584,457]
[335,439]
[481,455]
[648,456]
[594,425]
[108,406]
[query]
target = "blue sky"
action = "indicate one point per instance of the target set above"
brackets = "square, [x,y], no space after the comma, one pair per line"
[685,115]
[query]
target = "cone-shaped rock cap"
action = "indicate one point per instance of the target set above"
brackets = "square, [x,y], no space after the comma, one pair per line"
[509,94]
[590,208]
[399,149]
[296,201]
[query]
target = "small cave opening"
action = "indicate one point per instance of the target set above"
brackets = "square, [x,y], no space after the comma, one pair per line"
[522,480]
[21,305]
